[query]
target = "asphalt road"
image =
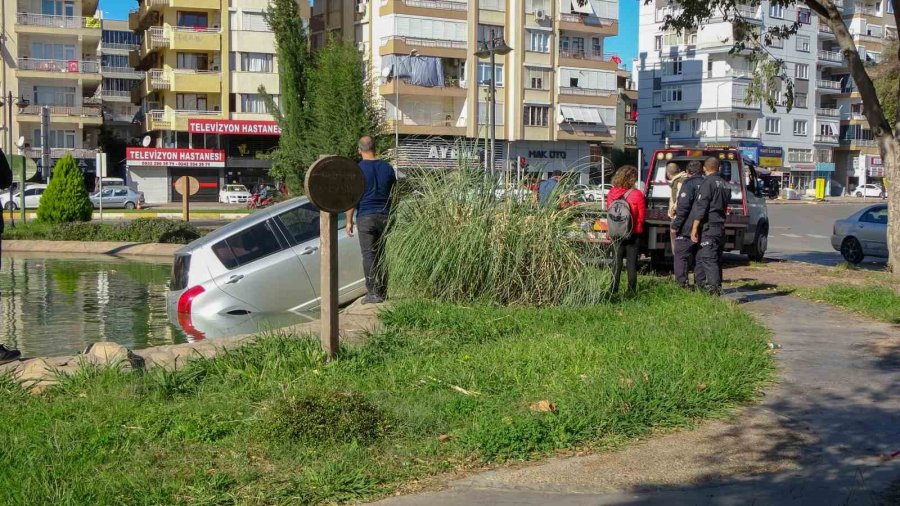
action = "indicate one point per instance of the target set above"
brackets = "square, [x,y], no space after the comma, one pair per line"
[802,232]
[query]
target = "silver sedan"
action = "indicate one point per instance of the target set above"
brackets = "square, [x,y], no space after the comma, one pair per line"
[862,234]
[117,196]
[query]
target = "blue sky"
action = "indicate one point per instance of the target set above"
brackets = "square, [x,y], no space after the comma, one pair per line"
[624,45]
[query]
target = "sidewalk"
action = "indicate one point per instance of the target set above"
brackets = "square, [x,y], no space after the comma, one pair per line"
[829,200]
[817,438]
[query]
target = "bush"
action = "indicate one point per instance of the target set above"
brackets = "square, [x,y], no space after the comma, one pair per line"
[453,239]
[65,199]
[145,230]
[160,230]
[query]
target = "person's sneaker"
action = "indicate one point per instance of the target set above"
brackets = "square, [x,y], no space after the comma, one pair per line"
[8,355]
[372,299]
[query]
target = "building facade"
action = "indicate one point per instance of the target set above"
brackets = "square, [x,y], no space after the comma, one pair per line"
[202,64]
[120,116]
[557,90]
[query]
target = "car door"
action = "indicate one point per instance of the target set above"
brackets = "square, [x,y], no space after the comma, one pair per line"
[262,269]
[31,197]
[119,195]
[872,231]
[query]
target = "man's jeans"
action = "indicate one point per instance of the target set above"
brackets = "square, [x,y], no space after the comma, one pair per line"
[370,229]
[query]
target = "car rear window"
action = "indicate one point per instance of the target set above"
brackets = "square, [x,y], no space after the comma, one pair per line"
[248,245]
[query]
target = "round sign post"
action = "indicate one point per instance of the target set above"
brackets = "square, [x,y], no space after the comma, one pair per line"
[186,186]
[334,184]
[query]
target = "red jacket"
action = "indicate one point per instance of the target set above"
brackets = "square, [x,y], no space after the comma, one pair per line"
[635,201]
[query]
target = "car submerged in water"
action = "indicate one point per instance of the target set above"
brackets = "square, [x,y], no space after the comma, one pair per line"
[266,264]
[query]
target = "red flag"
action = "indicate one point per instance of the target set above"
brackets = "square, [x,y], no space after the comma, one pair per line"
[615,59]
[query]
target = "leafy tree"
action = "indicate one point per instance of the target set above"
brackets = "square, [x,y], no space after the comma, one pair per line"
[772,79]
[292,49]
[65,199]
[887,80]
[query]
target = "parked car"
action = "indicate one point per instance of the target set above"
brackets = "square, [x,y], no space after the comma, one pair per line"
[234,194]
[264,263]
[869,190]
[862,234]
[118,196]
[33,194]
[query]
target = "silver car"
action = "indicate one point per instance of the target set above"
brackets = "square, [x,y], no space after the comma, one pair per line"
[264,264]
[862,234]
[117,196]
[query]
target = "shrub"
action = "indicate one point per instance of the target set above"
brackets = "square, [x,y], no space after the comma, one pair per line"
[160,230]
[340,417]
[65,199]
[453,239]
[146,230]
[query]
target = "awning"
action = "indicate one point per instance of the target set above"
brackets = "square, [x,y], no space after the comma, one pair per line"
[587,8]
[572,114]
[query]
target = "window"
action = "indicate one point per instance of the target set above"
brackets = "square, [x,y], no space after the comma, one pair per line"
[254,103]
[54,95]
[695,125]
[537,79]
[657,98]
[803,43]
[484,32]
[826,129]
[675,67]
[254,22]
[484,74]
[120,38]
[890,7]
[672,94]
[58,8]
[674,125]
[257,62]
[800,127]
[801,71]
[190,102]
[878,216]
[659,125]
[804,16]
[536,115]
[48,51]
[302,223]
[540,41]
[800,100]
[192,61]
[776,42]
[773,126]
[192,19]
[61,139]
[657,43]
[248,246]
[776,11]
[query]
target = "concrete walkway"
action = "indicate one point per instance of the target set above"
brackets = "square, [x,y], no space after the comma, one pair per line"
[821,436]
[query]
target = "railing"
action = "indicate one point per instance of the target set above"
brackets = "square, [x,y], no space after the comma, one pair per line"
[158,79]
[438,4]
[825,29]
[827,139]
[121,70]
[192,112]
[198,29]
[800,158]
[747,12]
[866,143]
[662,13]
[436,120]
[415,41]
[570,17]
[833,113]
[48,21]
[864,9]
[116,93]
[742,134]
[158,120]
[158,37]
[582,54]
[116,46]
[65,110]
[739,102]
[568,90]
[35,152]
[83,66]
[828,85]
[631,141]
[584,19]
[857,116]
[831,56]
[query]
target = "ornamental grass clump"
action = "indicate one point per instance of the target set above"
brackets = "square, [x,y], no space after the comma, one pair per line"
[461,237]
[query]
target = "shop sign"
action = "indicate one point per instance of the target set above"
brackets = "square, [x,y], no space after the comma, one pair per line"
[875,161]
[546,154]
[803,167]
[161,157]
[771,156]
[233,127]
[824,167]
[751,152]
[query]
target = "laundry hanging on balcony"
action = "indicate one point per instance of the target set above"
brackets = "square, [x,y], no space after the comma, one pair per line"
[425,71]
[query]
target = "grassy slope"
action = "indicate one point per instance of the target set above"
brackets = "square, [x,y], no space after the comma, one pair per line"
[247,428]
[875,301]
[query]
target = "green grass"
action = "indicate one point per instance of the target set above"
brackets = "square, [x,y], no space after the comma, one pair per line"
[874,301]
[273,424]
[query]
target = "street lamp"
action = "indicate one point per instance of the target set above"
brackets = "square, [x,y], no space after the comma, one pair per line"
[413,53]
[22,103]
[490,49]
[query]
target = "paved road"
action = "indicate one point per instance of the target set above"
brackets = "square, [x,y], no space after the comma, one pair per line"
[802,232]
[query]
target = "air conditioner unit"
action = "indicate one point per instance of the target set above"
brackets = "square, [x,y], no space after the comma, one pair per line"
[540,14]
[361,8]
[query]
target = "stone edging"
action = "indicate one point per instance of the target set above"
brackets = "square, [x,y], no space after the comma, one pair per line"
[92,248]
[36,374]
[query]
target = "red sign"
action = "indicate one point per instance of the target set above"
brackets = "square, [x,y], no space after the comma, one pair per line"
[233,127]
[161,157]
[875,160]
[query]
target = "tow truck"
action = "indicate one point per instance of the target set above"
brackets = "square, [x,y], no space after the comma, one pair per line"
[746,222]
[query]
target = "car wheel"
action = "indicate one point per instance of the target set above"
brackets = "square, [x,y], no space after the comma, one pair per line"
[859,194]
[757,250]
[129,205]
[10,206]
[852,250]
[591,198]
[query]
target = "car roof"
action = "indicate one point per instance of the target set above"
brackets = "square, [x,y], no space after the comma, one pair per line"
[242,223]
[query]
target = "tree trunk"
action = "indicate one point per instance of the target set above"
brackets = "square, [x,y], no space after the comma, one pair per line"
[890,157]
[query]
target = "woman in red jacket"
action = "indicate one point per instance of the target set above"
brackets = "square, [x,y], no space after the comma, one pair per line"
[623,187]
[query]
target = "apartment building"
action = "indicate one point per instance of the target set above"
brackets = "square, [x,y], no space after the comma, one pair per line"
[202,62]
[873,27]
[51,59]
[119,77]
[557,90]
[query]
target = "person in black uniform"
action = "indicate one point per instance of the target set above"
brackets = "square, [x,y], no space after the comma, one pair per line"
[685,250]
[6,180]
[708,226]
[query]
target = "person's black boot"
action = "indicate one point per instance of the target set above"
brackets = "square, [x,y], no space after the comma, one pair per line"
[8,355]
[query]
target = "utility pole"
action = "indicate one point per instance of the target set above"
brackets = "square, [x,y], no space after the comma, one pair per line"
[45,141]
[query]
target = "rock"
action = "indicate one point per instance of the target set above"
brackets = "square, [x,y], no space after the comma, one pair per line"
[112,355]
[161,358]
[36,372]
[543,406]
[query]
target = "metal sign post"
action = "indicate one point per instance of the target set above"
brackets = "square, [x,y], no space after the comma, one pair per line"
[334,184]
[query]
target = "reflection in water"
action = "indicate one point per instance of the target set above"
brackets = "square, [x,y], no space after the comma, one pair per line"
[56,306]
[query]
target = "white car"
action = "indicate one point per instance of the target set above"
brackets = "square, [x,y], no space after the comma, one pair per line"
[33,194]
[234,194]
[592,193]
[869,190]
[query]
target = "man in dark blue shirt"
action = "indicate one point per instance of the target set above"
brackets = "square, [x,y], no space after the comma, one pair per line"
[547,187]
[372,216]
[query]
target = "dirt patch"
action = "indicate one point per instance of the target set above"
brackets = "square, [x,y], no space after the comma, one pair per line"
[804,275]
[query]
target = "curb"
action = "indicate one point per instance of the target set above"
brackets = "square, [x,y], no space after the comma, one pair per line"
[92,248]
[173,215]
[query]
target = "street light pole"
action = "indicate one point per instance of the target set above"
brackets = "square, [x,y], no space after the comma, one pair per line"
[718,87]
[490,49]
[9,144]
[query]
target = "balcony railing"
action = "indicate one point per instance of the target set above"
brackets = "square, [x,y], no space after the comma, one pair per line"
[584,19]
[438,4]
[158,79]
[581,54]
[115,46]
[827,139]
[158,37]
[831,113]
[128,71]
[825,28]
[47,21]
[831,56]
[35,152]
[86,111]
[195,112]
[828,85]
[742,134]
[568,90]
[865,143]
[415,41]
[83,66]
[435,120]
[864,9]
[116,93]
[748,12]
[631,140]
[800,158]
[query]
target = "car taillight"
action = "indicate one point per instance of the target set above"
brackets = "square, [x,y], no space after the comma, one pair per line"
[187,299]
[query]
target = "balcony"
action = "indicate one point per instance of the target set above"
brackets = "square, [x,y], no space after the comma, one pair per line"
[438,4]
[859,143]
[587,23]
[158,79]
[827,139]
[156,120]
[27,22]
[67,69]
[589,92]
[825,30]
[631,140]
[743,134]
[828,113]
[395,44]
[184,38]
[195,81]
[106,47]
[447,123]
[803,157]
[82,114]
[861,9]
[588,59]
[35,152]
[831,57]
[121,72]
[828,86]
[749,13]
[175,119]
[453,87]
